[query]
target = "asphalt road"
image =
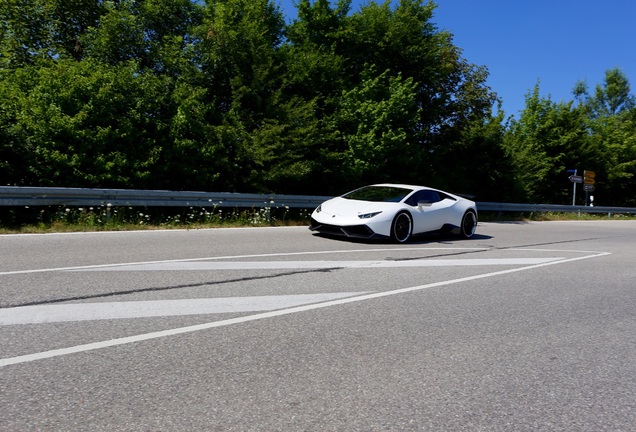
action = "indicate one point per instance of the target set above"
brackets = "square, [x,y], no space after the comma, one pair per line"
[526,327]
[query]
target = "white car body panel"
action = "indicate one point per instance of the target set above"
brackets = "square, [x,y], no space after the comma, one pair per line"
[432,218]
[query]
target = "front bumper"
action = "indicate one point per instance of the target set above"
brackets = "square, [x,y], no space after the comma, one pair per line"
[353,231]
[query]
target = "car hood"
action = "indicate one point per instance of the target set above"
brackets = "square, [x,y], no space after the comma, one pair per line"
[346,207]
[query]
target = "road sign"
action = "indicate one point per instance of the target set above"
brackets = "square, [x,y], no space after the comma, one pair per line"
[589,177]
[588,187]
[576,179]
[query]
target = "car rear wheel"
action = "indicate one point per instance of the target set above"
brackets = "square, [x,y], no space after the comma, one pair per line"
[401,227]
[469,224]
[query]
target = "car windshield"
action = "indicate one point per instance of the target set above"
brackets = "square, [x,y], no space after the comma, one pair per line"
[378,194]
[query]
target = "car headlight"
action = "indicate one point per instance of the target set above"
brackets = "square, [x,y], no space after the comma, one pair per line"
[319,208]
[368,215]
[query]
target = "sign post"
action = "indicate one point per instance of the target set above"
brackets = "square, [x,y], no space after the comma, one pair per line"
[589,178]
[574,179]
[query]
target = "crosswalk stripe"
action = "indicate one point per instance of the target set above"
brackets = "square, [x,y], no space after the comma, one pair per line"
[159,308]
[280,265]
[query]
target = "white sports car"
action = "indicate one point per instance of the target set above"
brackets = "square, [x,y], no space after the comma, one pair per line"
[394,211]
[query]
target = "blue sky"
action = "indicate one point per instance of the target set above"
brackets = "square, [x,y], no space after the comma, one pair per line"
[522,42]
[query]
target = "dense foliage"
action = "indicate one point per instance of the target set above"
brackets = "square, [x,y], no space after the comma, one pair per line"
[595,132]
[225,95]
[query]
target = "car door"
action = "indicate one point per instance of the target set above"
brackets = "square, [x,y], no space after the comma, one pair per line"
[430,210]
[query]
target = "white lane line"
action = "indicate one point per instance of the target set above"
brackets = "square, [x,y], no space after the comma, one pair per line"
[278,265]
[158,308]
[264,315]
[285,254]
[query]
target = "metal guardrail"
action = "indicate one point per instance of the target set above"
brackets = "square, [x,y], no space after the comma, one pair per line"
[556,208]
[76,197]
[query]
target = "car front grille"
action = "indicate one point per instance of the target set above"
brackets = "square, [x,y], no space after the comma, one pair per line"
[357,231]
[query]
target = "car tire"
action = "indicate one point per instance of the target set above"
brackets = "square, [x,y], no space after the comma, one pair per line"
[469,224]
[402,227]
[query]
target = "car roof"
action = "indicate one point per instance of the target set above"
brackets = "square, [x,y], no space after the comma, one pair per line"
[417,188]
[405,186]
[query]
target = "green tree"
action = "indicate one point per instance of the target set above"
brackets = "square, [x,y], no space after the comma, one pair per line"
[548,139]
[238,55]
[450,90]
[240,70]
[119,37]
[314,69]
[335,51]
[610,98]
[287,154]
[15,162]
[41,30]
[611,120]
[376,120]
[87,124]
[153,33]
[477,165]
[614,139]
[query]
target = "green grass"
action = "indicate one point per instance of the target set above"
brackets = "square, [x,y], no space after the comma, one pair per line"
[109,218]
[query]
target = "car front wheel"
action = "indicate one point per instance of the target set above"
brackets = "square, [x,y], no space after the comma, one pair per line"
[401,227]
[469,224]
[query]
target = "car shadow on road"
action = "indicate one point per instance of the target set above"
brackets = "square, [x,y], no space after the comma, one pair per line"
[416,239]
[445,237]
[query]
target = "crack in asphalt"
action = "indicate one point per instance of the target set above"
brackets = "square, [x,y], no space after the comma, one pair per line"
[485,249]
[555,242]
[489,248]
[165,288]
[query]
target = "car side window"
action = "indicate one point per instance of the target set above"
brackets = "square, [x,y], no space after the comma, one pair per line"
[428,196]
[443,196]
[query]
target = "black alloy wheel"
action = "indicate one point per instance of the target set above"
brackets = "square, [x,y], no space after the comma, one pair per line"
[401,227]
[469,224]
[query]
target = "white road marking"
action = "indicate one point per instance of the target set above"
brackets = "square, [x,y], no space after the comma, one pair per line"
[279,265]
[271,314]
[285,254]
[158,308]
